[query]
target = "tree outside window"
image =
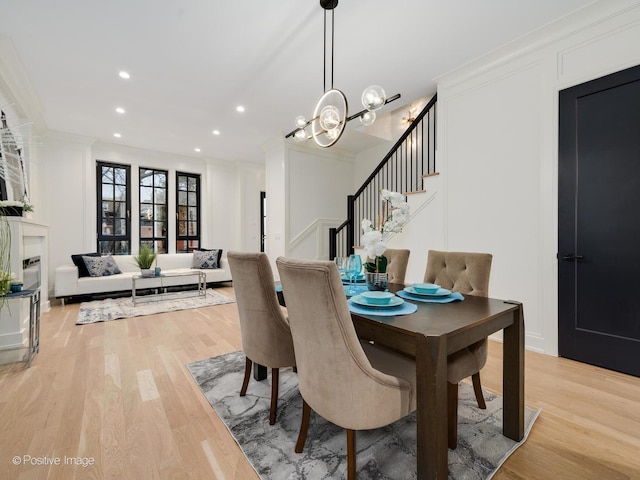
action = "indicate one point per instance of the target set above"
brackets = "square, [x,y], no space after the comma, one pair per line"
[187,212]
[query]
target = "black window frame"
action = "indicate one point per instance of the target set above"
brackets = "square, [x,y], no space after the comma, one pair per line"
[154,241]
[186,241]
[125,215]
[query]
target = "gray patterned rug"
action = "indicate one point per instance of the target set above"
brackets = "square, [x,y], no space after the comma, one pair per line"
[384,454]
[115,308]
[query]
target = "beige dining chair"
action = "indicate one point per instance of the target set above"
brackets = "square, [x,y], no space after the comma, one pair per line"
[397,261]
[266,337]
[351,383]
[467,273]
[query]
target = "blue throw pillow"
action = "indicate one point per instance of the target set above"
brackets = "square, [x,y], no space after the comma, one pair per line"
[205,259]
[219,250]
[78,261]
[101,266]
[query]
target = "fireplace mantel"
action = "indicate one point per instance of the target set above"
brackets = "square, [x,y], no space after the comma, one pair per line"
[28,239]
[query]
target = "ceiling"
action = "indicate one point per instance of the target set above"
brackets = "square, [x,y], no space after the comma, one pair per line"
[193,61]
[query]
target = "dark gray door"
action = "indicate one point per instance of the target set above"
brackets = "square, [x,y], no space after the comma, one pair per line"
[599,222]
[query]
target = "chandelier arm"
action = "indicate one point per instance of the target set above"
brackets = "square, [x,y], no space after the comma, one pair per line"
[362,112]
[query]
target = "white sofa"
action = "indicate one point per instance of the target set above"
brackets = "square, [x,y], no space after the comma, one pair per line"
[68,283]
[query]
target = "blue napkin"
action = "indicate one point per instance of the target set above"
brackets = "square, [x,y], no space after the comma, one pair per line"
[426,299]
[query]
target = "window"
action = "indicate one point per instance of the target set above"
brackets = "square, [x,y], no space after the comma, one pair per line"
[114,208]
[153,209]
[187,212]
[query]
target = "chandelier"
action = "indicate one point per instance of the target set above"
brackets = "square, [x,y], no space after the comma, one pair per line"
[331,113]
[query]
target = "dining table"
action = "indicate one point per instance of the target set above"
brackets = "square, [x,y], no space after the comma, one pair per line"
[429,335]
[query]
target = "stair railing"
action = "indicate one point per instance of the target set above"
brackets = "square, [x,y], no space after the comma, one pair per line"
[412,158]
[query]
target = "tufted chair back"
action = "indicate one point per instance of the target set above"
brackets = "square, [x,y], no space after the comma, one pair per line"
[397,260]
[462,272]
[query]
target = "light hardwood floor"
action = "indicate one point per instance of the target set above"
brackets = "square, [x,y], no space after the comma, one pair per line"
[118,394]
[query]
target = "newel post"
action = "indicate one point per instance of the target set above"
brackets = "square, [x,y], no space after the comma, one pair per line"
[351,233]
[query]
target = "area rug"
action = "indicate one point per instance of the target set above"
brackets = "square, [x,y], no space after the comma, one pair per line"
[115,308]
[383,454]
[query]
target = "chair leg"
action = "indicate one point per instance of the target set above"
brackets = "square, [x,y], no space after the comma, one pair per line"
[247,373]
[275,380]
[304,427]
[351,454]
[452,415]
[477,388]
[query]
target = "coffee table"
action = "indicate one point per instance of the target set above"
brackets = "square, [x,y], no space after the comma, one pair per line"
[159,286]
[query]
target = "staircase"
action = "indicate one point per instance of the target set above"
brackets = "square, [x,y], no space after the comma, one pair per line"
[403,169]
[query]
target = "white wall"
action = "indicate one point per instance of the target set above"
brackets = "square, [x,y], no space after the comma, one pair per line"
[307,190]
[497,134]
[276,230]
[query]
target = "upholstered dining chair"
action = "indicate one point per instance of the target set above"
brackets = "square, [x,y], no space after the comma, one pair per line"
[351,383]
[266,337]
[397,261]
[466,273]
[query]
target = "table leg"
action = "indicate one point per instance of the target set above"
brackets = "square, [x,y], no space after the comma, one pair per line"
[259,372]
[431,380]
[513,377]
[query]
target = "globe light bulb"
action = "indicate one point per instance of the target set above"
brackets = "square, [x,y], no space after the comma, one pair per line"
[332,134]
[300,135]
[329,117]
[373,97]
[368,118]
[300,121]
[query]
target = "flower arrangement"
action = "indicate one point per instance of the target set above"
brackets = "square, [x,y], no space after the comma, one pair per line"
[395,214]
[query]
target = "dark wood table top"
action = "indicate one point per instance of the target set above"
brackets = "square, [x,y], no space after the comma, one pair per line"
[463,322]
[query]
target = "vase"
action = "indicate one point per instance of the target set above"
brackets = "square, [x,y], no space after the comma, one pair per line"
[377,281]
[146,272]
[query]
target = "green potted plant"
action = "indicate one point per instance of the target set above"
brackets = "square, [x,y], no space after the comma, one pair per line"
[145,258]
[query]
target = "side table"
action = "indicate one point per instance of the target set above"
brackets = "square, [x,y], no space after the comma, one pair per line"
[34,320]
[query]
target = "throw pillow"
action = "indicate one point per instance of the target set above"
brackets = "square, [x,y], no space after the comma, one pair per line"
[219,250]
[205,259]
[101,266]
[79,262]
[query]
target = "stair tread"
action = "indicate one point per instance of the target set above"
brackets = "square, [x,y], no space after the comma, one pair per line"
[426,175]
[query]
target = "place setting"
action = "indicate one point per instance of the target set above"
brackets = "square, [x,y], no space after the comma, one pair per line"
[429,293]
[385,304]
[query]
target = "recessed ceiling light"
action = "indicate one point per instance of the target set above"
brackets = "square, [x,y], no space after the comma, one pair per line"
[120,110]
[240,108]
[117,135]
[216,132]
[124,74]
[196,150]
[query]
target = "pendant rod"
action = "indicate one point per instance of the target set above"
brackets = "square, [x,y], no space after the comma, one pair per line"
[324,55]
[332,31]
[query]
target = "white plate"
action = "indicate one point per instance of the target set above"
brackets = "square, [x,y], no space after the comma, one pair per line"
[394,302]
[441,292]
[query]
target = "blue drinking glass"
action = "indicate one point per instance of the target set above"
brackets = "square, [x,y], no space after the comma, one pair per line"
[354,268]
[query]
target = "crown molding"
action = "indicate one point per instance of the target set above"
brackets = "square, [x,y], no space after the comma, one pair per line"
[587,17]
[16,87]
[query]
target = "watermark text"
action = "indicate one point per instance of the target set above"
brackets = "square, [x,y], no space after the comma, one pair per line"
[48,461]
